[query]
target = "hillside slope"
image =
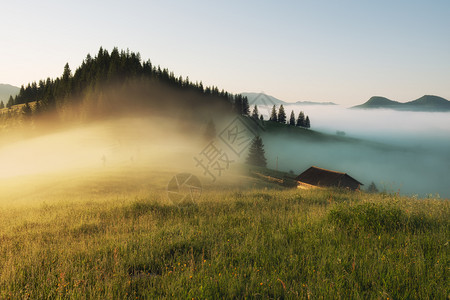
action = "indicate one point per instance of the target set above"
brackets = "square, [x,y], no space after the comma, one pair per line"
[115,234]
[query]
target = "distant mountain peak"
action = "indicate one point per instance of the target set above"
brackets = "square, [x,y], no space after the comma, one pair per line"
[378,100]
[424,103]
[7,90]
[264,99]
[429,99]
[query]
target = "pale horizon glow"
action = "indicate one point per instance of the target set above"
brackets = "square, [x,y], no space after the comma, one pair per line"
[338,51]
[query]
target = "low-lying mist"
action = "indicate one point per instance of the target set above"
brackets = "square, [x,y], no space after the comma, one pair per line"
[406,152]
[105,151]
[103,148]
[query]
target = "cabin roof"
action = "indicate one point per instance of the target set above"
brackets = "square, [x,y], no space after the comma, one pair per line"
[319,176]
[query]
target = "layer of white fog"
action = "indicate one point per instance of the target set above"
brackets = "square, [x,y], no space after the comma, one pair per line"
[406,152]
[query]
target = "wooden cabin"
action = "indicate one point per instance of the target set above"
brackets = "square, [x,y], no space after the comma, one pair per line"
[317,177]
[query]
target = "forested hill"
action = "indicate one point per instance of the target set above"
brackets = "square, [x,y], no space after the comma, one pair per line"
[111,83]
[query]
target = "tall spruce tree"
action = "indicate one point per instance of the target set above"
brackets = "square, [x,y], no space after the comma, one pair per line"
[256,153]
[301,119]
[245,107]
[255,114]
[237,103]
[2,105]
[281,115]
[273,115]
[10,102]
[292,119]
[307,123]
[66,82]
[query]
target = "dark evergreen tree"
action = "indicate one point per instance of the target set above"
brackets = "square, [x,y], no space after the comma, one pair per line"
[245,107]
[10,102]
[256,154]
[2,105]
[96,73]
[273,115]
[307,123]
[255,114]
[301,119]
[237,101]
[67,75]
[292,119]
[261,118]
[281,115]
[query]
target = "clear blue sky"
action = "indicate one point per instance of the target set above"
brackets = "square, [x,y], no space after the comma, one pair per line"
[342,51]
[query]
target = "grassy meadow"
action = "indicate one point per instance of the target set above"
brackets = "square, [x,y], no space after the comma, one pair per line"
[115,234]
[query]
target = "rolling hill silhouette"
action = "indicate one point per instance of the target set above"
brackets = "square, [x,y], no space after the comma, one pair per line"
[424,103]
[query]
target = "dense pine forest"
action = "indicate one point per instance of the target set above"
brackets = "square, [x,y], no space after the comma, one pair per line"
[116,83]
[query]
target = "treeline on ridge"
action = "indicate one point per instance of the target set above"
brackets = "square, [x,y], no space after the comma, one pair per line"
[112,83]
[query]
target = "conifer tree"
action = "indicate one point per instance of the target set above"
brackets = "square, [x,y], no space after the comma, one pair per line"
[273,116]
[2,105]
[255,114]
[245,107]
[301,119]
[10,102]
[256,154]
[281,115]
[292,119]
[307,123]
[261,118]
[237,102]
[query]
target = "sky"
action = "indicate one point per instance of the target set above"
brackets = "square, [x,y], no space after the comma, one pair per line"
[341,51]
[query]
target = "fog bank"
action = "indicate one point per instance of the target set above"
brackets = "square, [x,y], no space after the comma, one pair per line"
[406,152]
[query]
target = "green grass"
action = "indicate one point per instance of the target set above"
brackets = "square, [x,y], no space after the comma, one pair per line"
[234,243]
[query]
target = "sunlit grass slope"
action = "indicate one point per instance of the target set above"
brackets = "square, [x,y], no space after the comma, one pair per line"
[118,236]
